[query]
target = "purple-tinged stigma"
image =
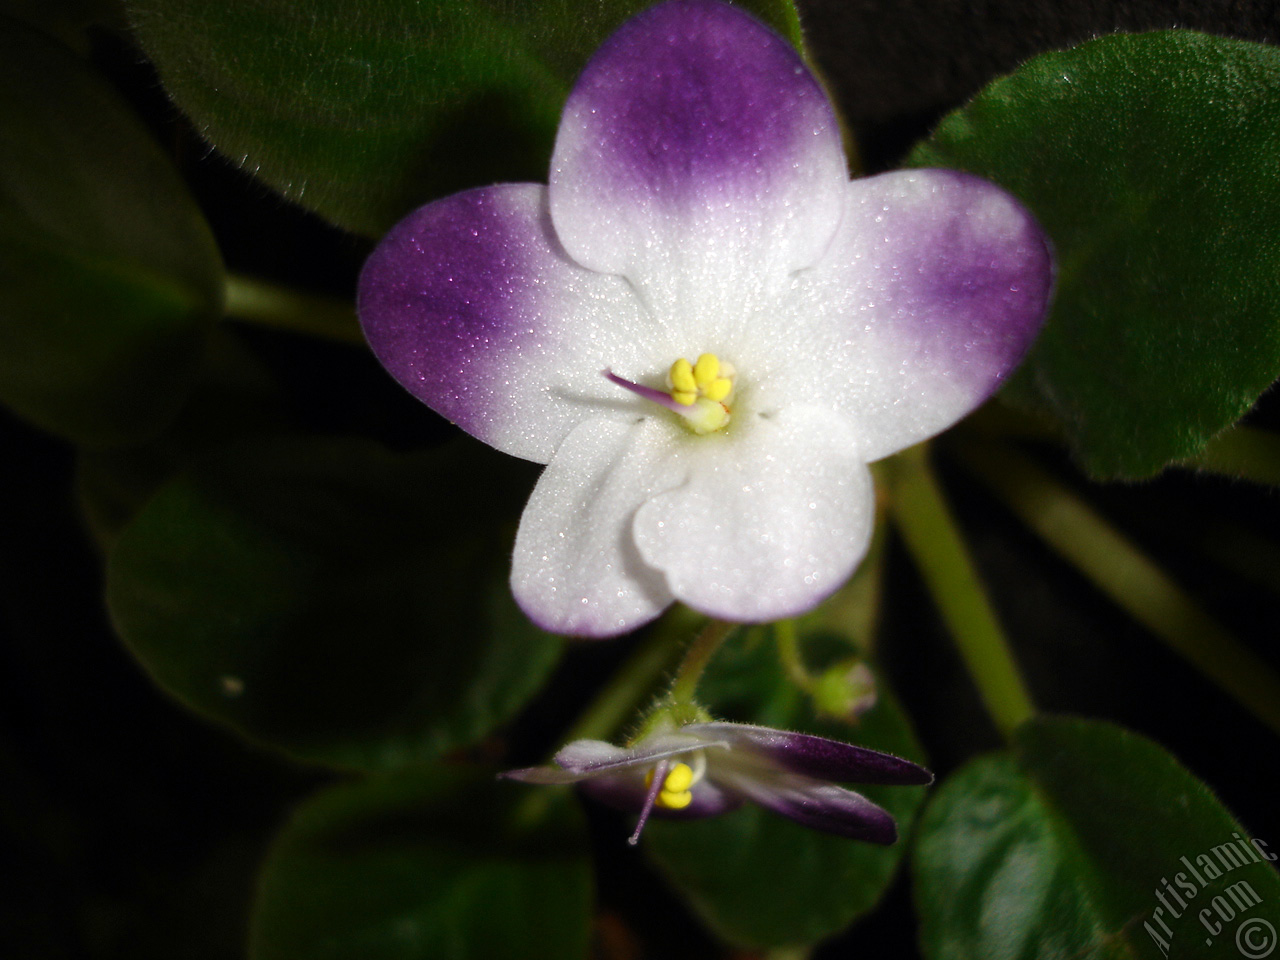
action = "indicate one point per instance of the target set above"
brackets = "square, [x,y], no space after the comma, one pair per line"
[698,392]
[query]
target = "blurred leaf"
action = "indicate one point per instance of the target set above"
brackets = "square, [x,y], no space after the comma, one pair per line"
[418,865]
[108,271]
[1152,161]
[344,605]
[363,109]
[1064,849]
[758,879]
[234,397]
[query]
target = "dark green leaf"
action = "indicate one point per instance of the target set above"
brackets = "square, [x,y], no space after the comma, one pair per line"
[760,880]
[364,109]
[326,598]
[1152,161]
[234,397]
[423,865]
[108,271]
[1075,846]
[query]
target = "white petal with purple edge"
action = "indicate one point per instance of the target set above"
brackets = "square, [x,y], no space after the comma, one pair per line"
[813,756]
[931,293]
[473,306]
[576,569]
[698,157]
[589,757]
[813,803]
[584,759]
[775,516]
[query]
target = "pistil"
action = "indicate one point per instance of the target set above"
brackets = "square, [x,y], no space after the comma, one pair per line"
[698,392]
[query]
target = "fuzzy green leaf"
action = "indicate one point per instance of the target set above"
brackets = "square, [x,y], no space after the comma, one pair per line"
[1152,161]
[1087,841]
[363,109]
[334,601]
[423,864]
[109,276]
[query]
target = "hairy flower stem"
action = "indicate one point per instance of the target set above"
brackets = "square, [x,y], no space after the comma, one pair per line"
[788,638]
[626,690]
[935,543]
[1130,578]
[611,708]
[695,662]
[272,305]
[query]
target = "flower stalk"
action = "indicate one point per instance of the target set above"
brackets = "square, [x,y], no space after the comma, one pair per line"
[1130,578]
[922,516]
[694,664]
[273,305]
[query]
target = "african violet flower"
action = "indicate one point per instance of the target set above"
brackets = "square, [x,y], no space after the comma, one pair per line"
[702,327]
[703,769]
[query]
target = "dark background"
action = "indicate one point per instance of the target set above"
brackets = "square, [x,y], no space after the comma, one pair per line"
[131,829]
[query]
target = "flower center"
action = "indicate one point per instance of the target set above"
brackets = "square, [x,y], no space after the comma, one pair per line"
[677,786]
[698,392]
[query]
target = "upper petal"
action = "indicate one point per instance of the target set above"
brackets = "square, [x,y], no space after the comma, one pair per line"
[583,759]
[931,293]
[698,157]
[814,756]
[774,517]
[576,569]
[473,306]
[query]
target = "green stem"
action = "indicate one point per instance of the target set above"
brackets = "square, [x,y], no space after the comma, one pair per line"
[635,679]
[1244,453]
[273,305]
[788,639]
[696,659]
[934,541]
[1118,568]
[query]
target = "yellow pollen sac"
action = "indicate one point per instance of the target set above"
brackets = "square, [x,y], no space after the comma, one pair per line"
[682,377]
[706,385]
[675,793]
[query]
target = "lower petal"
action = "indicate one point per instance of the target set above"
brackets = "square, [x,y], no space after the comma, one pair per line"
[576,569]
[773,519]
[814,804]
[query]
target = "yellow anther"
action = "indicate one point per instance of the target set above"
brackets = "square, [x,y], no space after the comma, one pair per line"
[706,370]
[675,793]
[683,379]
[684,397]
[674,801]
[718,389]
[679,779]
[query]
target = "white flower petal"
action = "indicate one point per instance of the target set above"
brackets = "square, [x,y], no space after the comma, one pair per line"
[775,516]
[811,803]
[576,569]
[934,288]
[698,157]
[471,303]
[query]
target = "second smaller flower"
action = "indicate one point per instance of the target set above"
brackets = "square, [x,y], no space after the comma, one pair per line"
[703,769]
